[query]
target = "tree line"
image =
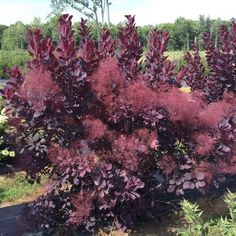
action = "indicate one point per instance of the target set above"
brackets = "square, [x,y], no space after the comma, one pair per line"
[183,32]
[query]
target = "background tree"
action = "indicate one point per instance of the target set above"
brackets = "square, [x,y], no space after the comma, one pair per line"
[169,27]
[215,27]
[93,9]
[205,26]
[37,22]
[108,11]
[50,27]
[183,33]
[144,34]
[14,36]
[2,28]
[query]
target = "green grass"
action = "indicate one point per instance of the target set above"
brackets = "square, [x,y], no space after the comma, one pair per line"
[178,57]
[14,187]
[179,54]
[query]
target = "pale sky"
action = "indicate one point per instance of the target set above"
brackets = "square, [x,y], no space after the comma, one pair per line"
[146,11]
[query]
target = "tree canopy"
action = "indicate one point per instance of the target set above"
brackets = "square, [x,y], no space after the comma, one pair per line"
[93,9]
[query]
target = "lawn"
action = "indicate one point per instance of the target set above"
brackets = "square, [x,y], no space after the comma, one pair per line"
[177,57]
[15,189]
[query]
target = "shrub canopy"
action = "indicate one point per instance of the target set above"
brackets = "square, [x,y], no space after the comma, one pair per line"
[115,130]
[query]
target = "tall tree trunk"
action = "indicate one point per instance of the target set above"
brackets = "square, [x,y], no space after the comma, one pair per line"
[95,12]
[102,3]
[187,41]
[216,40]
[211,31]
[108,12]
[97,25]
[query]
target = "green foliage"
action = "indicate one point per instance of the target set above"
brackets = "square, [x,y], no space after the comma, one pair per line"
[94,10]
[5,152]
[183,32]
[180,147]
[49,29]
[2,28]
[169,27]
[192,214]
[10,58]
[18,57]
[144,33]
[15,36]
[230,200]
[222,226]
[36,23]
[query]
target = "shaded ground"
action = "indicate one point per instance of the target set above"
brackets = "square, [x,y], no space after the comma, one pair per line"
[166,225]
[14,191]
[9,223]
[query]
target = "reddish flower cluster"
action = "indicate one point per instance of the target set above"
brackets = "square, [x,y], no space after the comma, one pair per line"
[83,208]
[95,128]
[181,107]
[129,151]
[134,95]
[107,82]
[204,143]
[38,88]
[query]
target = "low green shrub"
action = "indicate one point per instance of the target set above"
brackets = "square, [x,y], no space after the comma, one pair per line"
[221,226]
[8,59]
[5,151]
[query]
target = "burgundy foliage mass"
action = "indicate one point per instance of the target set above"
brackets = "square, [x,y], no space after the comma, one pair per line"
[113,136]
